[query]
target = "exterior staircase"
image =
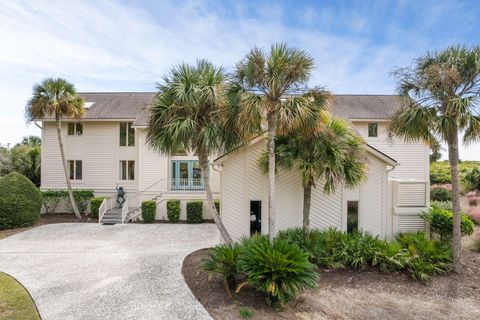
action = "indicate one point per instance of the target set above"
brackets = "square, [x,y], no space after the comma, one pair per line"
[112,216]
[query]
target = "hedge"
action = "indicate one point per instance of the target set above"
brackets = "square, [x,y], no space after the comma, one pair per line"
[173,210]
[20,201]
[95,204]
[82,198]
[149,208]
[52,198]
[195,212]
[440,194]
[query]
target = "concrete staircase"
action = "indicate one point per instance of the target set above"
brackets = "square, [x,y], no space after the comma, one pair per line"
[113,216]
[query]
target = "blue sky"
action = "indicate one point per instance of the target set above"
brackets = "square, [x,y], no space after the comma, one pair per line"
[129,45]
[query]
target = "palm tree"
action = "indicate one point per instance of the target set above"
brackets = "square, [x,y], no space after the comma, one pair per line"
[440,94]
[185,117]
[334,155]
[268,88]
[58,98]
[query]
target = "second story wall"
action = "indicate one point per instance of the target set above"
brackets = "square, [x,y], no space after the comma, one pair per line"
[412,156]
[99,150]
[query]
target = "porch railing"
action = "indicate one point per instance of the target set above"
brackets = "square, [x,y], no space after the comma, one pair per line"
[107,204]
[124,211]
[186,184]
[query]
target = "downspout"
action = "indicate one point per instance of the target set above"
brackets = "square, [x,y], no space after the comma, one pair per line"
[35,122]
[220,172]
[390,206]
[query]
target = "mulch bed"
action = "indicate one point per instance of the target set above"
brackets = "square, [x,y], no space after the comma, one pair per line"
[388,286]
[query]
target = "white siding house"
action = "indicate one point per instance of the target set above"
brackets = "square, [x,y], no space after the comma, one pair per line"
[388,202]
[108,147]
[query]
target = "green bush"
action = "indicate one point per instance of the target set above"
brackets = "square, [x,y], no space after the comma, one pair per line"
[195,212]
[82,198]
[278,268]
[223,260]
[425,257]
[440,173]
[441,223]
[52,198]
[440,194]
[20,201]
[95,204]
[245,313]
[149,209]
[173,210]
[471,181]
[447,205]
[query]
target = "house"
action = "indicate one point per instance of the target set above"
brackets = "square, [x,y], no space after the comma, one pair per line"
[108,147]
[388,202]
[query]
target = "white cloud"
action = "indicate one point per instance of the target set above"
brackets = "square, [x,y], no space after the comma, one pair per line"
[107,45]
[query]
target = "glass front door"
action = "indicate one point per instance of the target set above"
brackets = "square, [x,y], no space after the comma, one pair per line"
[186,175]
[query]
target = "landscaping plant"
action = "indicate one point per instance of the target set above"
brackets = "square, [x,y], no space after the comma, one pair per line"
[149,209]
[20,201]
[441,223]
[82,199]
[425,257]
[52,198]
[58,98]
[95,204]
[195,212]
[278,268]
[440,194]
[471,181]
[223,260]
[173,210]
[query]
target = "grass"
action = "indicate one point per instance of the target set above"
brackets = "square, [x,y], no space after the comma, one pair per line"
[15,302]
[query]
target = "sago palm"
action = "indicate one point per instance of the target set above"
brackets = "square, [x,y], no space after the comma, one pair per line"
[267,89]
[440,94]
[333,155]
[57,98]
[184,116]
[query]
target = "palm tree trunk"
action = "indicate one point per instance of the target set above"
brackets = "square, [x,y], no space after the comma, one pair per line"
[65,171]
[307,200]
[203,162]
[457,236]
[271,124]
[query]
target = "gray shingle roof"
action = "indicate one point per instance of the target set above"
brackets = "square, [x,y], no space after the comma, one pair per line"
[365,106]
[132,105]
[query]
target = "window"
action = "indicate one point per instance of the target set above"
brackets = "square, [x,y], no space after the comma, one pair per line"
[75,169]
[373,129]
[127,134]
[255,217]
[352,216]
[186,175]
[127,170]
[75,128]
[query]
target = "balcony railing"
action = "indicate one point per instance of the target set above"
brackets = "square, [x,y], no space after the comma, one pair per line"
[187,184]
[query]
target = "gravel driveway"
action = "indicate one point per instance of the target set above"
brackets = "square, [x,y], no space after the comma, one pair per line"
[91,271]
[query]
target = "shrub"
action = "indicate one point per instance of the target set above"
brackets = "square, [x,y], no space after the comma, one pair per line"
[471,180]
[277,268]
[95,204]
[173,210]
[441,223]
[440,194]
[82,198]
[223,260]
[360,250]
[195,212]
[149,209]
[20,201]
[52,198]
[245,313]
[474,214]
[425,257]
[446,205]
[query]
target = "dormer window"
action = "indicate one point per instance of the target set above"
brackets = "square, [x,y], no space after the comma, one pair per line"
[75,129]
[373,129]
